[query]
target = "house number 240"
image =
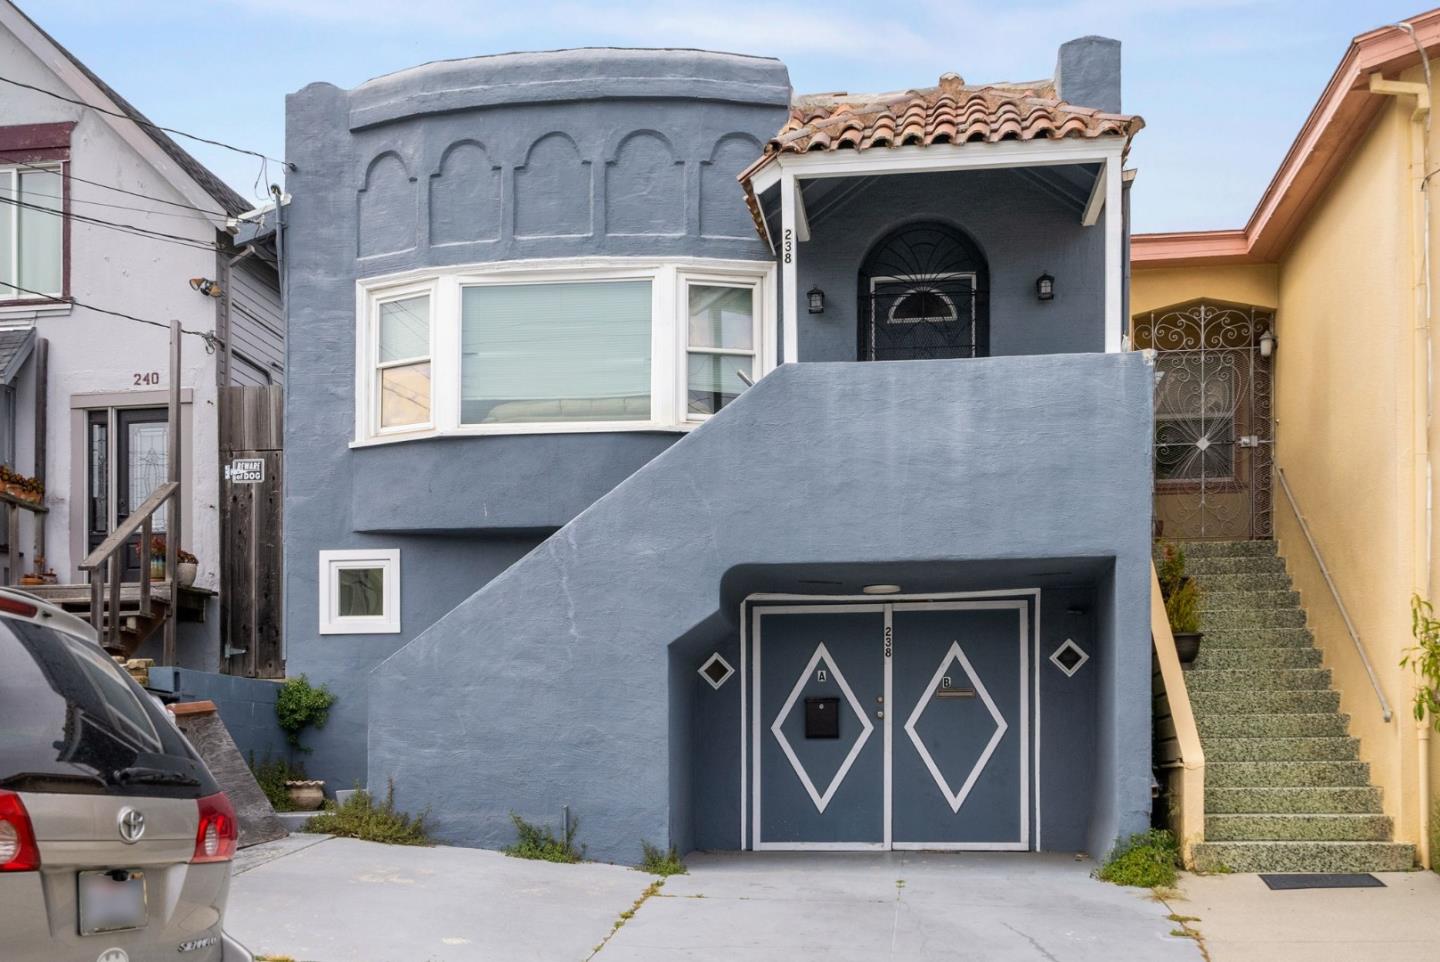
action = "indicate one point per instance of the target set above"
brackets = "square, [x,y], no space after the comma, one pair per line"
[146,377]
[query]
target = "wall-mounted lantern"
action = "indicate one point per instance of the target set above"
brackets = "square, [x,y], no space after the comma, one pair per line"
[1045,287]
[817,300]
[1267,343]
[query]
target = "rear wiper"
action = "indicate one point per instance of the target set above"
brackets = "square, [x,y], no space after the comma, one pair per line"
[40,781]
[152,776]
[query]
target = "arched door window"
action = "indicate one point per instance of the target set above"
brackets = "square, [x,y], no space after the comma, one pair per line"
[923,295]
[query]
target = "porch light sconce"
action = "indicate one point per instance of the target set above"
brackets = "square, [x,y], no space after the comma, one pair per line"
[1045,288]
[817,300]
[1267,343]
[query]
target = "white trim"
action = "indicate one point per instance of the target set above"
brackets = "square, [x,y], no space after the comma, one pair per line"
[1096,203]
[1027,604]
[916,158]
[1055,657]
[789,319]
[761,350]
[729,670]
[331,563]
[1114,250]
[867,727]
[888,651]
[669,327]
[957,798]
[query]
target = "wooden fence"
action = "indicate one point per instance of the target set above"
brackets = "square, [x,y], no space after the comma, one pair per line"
[251,531]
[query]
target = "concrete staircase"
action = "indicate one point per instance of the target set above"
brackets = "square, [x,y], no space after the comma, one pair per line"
[1285,790]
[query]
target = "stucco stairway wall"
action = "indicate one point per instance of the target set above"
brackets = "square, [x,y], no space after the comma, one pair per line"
[548,687]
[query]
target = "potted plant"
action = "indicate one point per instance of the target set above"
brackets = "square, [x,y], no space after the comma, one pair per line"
[157,557]
[187,566]
[1182,602]
[299,705]
[305,795]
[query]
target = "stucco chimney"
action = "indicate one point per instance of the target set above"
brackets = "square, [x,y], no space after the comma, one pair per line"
[1087,73]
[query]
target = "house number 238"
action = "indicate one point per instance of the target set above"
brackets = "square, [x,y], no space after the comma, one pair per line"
[789,245]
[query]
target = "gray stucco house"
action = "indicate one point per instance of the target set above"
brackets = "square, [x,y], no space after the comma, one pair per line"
[734,469]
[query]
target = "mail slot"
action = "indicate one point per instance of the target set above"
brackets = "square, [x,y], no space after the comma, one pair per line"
[822,717]
[954,693]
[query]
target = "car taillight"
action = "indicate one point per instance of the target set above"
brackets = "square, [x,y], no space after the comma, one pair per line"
[21,608]
[18,851]
[218,831]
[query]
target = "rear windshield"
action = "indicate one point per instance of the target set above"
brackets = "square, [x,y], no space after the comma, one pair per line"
[72,721]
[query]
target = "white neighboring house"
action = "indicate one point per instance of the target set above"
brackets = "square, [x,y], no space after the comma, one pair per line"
[83,394]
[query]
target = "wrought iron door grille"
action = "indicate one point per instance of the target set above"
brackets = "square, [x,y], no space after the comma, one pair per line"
[1214,430]
[918,319]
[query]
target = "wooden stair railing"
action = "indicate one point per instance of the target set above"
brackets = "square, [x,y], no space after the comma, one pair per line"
[106,566]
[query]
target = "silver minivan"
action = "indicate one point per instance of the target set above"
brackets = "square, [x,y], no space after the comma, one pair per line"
[115,841]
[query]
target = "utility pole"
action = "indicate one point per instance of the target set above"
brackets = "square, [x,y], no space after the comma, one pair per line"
[173,510]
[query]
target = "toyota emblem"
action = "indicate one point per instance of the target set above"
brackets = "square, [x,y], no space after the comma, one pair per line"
[132,825]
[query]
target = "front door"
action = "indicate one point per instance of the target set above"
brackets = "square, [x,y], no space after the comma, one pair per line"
[128,460]
[902,725]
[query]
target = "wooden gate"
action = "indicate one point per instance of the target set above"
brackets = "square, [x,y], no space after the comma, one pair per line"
[250,531]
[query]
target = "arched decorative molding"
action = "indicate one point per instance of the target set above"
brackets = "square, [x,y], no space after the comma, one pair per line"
[722,203]
[645,186]
[465,195]
[553,196]
[385,207]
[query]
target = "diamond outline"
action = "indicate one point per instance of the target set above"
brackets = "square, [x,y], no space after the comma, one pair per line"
[821,801]
[956,799]
[729,670]
[1055,658]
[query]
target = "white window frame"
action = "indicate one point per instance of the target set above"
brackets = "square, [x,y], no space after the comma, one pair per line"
[11,219]
[758,337]
[668,336]
[332,562]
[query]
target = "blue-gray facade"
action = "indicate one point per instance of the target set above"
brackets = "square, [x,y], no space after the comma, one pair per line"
[561,591]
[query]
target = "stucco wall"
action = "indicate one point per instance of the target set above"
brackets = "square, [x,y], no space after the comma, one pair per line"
[1022,231]
[1257,285]
[93,353]
[466,162]
[555,674]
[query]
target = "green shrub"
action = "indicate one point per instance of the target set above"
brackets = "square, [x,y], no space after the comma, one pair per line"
[657,861]
[271,775]
[1183,607]
[1147,859]
[300,705]
[360,817]
[1424,660]
[1171,569]
[537,842]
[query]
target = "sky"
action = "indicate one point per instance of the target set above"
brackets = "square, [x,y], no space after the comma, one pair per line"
[1223,85]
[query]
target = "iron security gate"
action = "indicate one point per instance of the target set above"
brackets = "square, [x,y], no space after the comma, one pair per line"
[1214,432]
[923,295]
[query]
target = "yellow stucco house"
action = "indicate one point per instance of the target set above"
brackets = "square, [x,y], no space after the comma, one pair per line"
[1301,406]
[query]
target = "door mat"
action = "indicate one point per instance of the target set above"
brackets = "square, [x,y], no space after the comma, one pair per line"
[1321,880]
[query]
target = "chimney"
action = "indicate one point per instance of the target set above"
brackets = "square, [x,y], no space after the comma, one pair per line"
[1087,73]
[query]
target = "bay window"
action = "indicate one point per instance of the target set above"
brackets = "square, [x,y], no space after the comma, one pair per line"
[587,344]
[32,232]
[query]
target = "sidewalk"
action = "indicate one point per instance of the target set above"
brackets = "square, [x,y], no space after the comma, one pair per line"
[1243,921]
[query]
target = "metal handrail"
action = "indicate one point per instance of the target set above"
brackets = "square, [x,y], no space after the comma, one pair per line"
[104,564]
[1335,593]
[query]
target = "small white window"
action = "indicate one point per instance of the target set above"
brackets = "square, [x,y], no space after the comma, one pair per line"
[402,363]
[360,592]
[32,232]
[723,331]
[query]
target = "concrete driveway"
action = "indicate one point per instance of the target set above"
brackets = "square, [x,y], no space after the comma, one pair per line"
[318,899]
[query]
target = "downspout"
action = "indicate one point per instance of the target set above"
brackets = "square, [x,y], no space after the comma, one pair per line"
[1423,348]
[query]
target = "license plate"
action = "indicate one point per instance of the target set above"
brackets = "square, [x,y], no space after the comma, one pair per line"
[111,901]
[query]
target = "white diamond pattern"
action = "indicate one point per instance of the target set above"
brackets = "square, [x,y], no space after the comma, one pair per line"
[867,727]
[956,798]
[1069,645]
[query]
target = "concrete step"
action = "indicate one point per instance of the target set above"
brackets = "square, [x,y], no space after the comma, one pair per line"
[1264,702]
[1257,679]
[1292,800]
[1298,828]
[1238,565]
[1226,749]
[1212,600]
[1304,857]
[1286,774]
[1257,638]
[1236,658]
[1268,581]
[1251,618]
[1332,725]
[1223,549]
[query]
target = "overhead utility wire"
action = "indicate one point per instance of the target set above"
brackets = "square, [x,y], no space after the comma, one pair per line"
[211,339]
[131,229]
[146,123]
[96,183]
[100,203]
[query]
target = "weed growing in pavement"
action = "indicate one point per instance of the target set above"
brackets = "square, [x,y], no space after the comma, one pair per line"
[363,818]
[538,842]
[656,861]
[1146,859]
